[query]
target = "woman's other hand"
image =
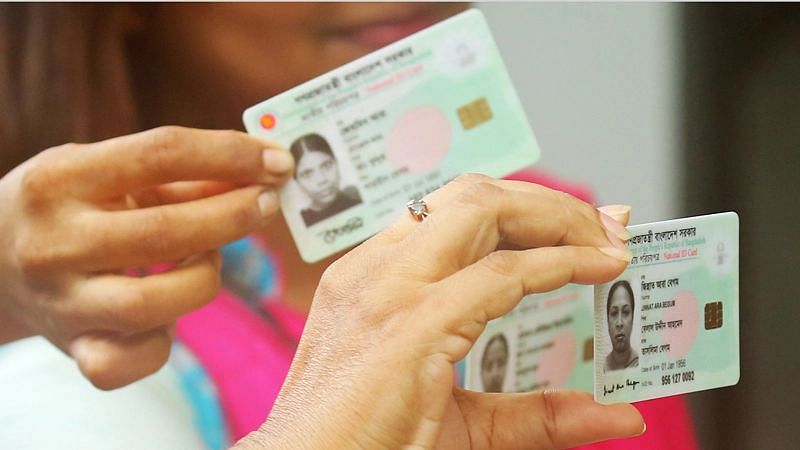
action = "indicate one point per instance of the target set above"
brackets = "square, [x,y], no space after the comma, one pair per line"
[375,366]
[75,219]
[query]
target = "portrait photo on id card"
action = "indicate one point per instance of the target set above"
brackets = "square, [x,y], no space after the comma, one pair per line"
[324,187]
[497,361]
[620,349]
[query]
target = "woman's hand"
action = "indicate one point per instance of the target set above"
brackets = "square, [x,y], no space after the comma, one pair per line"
[375,366]
[74,220]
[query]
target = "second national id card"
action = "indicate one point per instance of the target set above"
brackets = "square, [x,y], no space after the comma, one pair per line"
[392,126]
[670,323]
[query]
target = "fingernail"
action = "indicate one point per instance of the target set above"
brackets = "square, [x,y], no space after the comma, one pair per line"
[614,227]
[618,212]
[644,428]
[268,203]
[622,255]
[278,161]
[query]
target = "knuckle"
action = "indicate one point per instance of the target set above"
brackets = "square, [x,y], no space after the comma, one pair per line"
[34,256]
[41,180]
[165,137]
[159,150]
[566,211]
[567,203]
[480,194]
[235,136]
[30,257]
[330,285]
[502,262]
[470,178]
[131,310]
[341,286]
[154,232]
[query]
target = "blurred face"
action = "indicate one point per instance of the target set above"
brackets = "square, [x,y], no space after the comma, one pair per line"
[493,369]
[209,62]
[245,53]
[318,176]
[620,320]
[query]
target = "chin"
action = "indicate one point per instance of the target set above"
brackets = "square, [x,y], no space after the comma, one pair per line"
[327,199]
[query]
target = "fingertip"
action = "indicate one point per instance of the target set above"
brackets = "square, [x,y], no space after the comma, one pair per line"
[614,227]
[620,213]
[613,421]
[94,363]
[110,361]
[216,258]
[628,419]
[268,203]
[278,162]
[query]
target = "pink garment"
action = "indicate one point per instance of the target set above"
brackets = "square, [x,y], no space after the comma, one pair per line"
[248,358]
[245,355]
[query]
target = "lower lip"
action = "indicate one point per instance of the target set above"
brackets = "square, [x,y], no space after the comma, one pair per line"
[376,36]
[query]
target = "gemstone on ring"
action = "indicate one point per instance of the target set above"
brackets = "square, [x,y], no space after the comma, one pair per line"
[418,209]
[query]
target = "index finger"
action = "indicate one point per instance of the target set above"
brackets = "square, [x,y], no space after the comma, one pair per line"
[468,220]
[168,154]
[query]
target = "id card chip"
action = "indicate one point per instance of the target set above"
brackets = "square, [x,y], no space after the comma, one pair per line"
[713,315]
[475,113]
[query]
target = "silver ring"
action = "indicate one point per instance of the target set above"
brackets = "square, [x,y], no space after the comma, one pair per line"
[418,209]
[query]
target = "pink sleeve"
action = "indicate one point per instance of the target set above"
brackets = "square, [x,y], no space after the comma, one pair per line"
[669,426]
[246,357]
[545,179]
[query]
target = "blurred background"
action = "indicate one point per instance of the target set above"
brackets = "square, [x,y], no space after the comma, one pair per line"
[684,109]
[675,109]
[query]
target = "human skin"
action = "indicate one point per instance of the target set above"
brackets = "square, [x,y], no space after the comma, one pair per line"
[70,233]
[425,291]
[228,55]
[67,242]
[318,176]
[494,366]
[76,216]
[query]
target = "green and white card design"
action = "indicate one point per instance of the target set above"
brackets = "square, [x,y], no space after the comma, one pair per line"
[668,325]
[683,331]
[545,342]
[392,126]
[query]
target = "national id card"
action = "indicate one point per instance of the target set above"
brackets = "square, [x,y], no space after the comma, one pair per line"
[393,126]
[545,342]
[668,325]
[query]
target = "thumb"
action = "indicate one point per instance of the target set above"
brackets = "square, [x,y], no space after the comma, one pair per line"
[552,419]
